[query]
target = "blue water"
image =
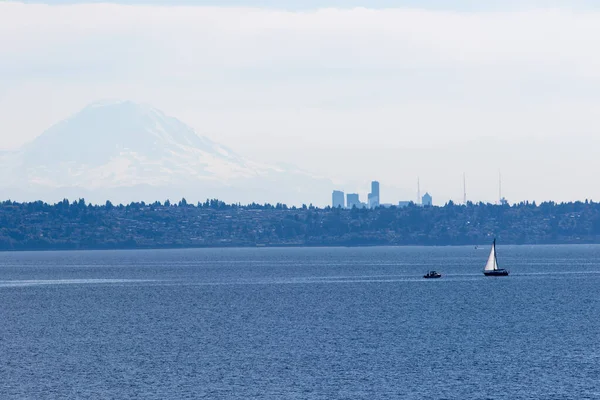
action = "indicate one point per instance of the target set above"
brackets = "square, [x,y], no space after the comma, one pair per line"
[301,324]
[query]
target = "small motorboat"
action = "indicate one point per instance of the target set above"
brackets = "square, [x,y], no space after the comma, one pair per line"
[432,274]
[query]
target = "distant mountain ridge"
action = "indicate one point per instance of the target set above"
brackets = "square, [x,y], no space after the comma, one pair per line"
[116,146]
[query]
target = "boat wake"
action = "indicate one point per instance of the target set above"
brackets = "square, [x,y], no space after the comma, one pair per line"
[39,282]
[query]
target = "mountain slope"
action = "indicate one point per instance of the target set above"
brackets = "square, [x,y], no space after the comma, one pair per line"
[112,147]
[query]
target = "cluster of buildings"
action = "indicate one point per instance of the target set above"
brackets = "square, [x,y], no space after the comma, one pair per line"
[351,200]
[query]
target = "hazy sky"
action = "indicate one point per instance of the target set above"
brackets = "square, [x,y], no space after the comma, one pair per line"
[350,93]
[453,5]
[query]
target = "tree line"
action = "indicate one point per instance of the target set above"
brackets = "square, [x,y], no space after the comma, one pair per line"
[214,223]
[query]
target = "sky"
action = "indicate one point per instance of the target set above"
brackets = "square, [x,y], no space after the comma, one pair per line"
[452,5]
[389,91]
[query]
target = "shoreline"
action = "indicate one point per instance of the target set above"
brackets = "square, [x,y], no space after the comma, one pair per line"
[287,246]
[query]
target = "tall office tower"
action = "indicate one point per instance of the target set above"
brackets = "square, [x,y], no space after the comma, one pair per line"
[375,188]
[374,198]
[352,200]
[337,199]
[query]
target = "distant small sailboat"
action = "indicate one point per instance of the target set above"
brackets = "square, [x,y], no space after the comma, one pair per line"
[491,268]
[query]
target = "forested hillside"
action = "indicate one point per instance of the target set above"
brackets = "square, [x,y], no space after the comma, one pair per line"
[77,225]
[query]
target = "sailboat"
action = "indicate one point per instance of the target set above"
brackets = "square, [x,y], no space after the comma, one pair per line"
[491,268]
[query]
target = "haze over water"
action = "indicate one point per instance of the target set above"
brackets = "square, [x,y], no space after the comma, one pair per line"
[300,323]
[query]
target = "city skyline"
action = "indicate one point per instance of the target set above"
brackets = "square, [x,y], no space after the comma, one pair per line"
[374,199]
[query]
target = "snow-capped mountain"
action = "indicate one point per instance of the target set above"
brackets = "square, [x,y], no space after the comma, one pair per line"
[110,148]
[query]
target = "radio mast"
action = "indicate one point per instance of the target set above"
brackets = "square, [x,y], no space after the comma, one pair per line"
[418,191]
[464,189]
[499,188]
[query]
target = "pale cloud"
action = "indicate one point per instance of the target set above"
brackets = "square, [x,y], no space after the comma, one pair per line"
[352,93]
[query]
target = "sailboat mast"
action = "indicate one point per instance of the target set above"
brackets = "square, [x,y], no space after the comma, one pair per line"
[495,254]
[491,267]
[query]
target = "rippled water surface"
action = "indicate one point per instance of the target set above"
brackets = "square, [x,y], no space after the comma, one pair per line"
[301,324]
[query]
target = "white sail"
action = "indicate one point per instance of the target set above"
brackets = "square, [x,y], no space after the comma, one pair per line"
[492,265]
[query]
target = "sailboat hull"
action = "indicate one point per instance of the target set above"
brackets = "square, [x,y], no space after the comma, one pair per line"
[497,272]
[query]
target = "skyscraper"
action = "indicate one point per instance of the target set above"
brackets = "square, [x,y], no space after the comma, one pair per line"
[352,200]
[375,188]
[374,195]
[337,199]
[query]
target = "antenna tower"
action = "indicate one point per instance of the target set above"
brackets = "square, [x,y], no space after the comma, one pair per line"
[418,191]
[499,188]
[464,189]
